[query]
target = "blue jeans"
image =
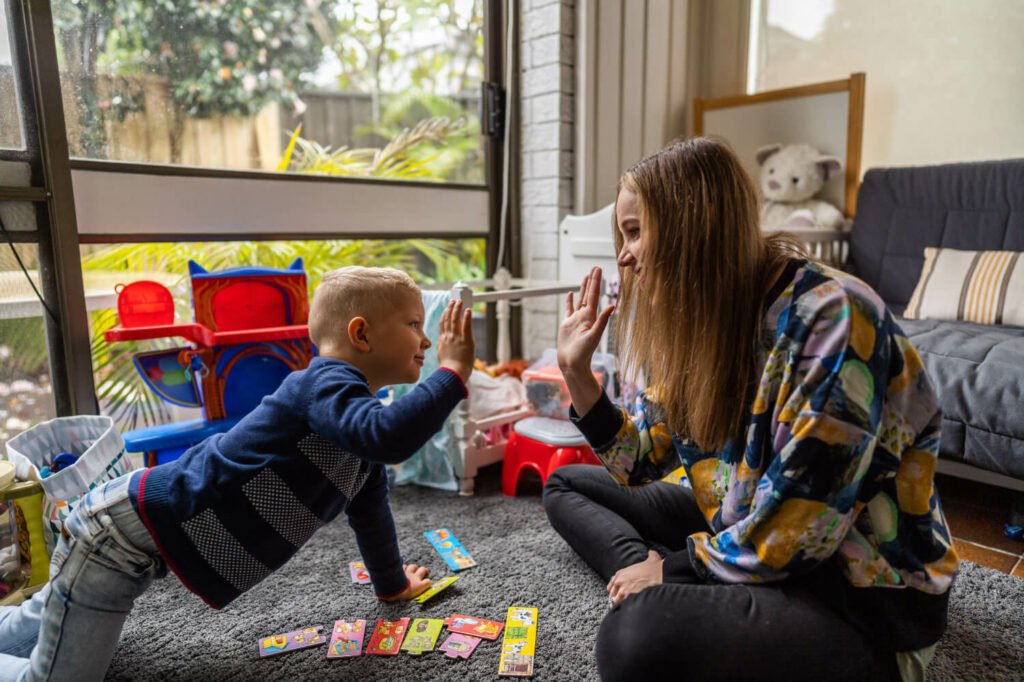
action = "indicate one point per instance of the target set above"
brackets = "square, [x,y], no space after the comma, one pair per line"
[108,560]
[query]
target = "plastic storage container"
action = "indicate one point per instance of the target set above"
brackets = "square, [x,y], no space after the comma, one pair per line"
[24,562]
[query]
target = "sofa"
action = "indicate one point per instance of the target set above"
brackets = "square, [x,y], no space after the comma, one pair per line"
[978,370]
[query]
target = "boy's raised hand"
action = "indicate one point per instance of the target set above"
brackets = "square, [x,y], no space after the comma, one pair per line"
[418,583]
[455,346]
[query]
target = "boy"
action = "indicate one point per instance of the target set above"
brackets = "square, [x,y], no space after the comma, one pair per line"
[236,507]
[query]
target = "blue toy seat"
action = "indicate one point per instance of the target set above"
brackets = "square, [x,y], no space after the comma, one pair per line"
[166,442]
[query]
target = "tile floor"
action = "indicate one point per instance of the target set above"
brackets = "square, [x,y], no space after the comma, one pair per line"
[976,514]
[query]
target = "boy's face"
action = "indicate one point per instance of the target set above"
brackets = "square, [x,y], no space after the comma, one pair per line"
[398,342]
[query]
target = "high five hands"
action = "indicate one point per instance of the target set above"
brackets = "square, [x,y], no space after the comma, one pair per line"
[578,337]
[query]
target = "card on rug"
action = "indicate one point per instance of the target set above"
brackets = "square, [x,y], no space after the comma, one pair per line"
[450,549]
[474,627]
[423,634]
[387,637]
[519,645]
[459,646]
[357,569]
[290,641]
[435,588]
[346,639]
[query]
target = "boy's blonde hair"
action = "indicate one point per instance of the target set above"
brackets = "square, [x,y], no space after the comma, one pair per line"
[355,291]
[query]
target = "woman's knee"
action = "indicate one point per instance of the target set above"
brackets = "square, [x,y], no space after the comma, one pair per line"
[559,482]
[623,647]
[644,636]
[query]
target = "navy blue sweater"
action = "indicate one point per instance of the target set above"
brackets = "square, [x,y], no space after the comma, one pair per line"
[237,506]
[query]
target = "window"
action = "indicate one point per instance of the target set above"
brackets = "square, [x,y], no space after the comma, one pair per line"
[208,100]
[26,397]
[942,76]
[198,120]
[11,135]
[229,85]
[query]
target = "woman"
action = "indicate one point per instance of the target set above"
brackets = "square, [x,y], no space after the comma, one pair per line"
[802,537]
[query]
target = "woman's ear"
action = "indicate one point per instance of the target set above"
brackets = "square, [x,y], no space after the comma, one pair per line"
[358,337]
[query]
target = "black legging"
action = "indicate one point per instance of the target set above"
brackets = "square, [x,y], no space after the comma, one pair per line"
[697,631]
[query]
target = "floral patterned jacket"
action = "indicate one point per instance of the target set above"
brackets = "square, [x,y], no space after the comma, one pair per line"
[839,458]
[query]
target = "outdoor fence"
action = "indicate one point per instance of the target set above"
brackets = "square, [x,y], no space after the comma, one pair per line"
[10,124]
[151,130]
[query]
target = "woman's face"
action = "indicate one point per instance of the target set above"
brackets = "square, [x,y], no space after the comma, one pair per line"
[627,212]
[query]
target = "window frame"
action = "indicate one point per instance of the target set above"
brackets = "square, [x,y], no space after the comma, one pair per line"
[50,190]
[118,202]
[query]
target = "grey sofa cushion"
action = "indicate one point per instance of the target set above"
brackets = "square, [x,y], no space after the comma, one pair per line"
[978,371]
[968,206]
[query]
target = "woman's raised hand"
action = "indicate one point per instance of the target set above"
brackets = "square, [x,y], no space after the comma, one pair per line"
[584,323]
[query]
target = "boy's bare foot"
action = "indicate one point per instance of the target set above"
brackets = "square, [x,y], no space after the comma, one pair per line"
[418,583]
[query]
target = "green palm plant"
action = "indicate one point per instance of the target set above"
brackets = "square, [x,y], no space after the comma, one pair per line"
[460,158]
[410,154]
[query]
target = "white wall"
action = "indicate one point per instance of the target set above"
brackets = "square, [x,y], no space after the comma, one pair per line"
[945,78]
[631,81]
[604,83]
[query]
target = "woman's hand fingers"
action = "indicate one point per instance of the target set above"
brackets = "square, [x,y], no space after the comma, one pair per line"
[602,321]
[581,300]
[594,291]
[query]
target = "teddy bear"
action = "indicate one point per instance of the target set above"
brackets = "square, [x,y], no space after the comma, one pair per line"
[790,176]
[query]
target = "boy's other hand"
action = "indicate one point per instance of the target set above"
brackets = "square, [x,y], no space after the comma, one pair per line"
[418,583]
[455,346]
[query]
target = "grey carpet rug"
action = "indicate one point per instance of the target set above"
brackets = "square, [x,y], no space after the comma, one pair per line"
[172,635]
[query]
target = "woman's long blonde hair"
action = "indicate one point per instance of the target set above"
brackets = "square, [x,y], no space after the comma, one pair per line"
[694,327]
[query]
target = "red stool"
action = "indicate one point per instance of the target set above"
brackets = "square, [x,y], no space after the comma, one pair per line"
[542,444]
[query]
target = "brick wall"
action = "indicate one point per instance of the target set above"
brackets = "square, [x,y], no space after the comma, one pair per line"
[547,51]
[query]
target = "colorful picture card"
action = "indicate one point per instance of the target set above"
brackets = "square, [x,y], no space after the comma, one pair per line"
[459,646]
[387,637]
[435,588]
[451,550]
[346,639]
[290,641]
[422,636]
[518,646]
[357,569]
[474,627]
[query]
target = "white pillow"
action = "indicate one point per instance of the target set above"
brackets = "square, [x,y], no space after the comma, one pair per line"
[975,286]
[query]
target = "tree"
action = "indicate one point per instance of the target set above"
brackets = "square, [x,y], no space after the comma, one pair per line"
[219,56]
[385,46]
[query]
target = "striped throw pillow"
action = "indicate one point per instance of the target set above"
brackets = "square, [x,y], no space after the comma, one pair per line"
[974,286]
